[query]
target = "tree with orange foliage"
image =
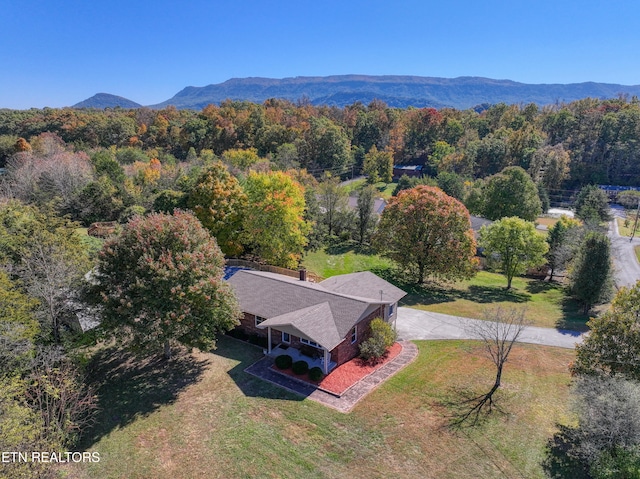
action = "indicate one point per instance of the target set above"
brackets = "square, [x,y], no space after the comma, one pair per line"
[428,234]
[219,203]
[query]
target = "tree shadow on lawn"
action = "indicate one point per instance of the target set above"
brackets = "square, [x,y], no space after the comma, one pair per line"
[462,406]
[349,246]
[572,316]
[129,387]
[433,293]
[561,461]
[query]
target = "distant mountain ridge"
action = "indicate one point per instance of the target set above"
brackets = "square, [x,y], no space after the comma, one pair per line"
[396,91]
[106,100]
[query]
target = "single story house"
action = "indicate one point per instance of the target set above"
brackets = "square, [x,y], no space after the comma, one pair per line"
[330,318]
[409,170]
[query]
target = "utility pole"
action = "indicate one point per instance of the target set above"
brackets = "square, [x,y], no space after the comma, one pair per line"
[635,224]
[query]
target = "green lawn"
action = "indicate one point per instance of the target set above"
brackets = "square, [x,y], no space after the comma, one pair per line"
[637,250]
[624,230]
[547,304]
[202,416]
[343,259]
[385,190]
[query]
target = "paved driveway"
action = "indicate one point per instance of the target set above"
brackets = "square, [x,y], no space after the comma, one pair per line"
[418,324]
[627,269]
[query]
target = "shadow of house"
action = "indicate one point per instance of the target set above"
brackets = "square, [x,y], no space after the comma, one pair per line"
[129,387]
[251,386]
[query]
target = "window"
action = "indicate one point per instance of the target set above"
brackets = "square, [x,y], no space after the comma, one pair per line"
[354,334]
[391,308]
[286,337]
[310,343]
[260,319]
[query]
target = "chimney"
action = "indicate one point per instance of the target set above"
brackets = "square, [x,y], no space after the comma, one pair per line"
[303,274]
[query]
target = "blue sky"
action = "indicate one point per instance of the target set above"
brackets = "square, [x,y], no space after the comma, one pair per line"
[58,52]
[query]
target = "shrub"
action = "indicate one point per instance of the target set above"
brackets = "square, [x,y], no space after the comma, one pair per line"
[382,337]
[315,373]
[300,367]
[284,361]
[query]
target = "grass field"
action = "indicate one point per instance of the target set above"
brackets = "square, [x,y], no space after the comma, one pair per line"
[548,222]
[547,304]
[624,230]
[637,250]
[202,416]
[385,190]
[343,259]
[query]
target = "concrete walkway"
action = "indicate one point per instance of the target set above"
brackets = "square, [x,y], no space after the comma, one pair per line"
[417,324]
[344,403]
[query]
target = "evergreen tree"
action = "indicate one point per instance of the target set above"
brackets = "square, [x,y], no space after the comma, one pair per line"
[591,273]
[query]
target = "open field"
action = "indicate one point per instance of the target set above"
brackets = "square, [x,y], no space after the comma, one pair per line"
[546,221]
[385,190]
[343,259]
[625,230]
[637,250]
[202,416]
[547,304]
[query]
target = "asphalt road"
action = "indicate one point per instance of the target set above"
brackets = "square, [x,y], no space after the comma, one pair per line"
[627,269]
[418,324]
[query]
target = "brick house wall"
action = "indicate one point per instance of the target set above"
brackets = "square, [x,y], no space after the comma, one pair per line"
[346,350]
[339,355]
[248,325]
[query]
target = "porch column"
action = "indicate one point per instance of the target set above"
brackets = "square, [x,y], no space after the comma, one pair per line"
[325,363]
[269,339]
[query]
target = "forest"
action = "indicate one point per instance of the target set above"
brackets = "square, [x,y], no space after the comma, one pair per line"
[565,146]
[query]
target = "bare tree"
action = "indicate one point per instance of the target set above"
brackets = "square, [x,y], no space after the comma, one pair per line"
[65,404]
[498,332]
[50,271]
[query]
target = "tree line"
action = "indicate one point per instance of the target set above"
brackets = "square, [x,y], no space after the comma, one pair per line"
[563,146]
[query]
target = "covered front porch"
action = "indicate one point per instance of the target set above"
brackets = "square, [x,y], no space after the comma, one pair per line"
[297,355]
[313,326]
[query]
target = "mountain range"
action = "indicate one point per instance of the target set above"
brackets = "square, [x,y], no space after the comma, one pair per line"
[395,91]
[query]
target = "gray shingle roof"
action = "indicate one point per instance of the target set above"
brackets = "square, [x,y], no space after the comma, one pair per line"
[364,284]
[317,311]
[315,323]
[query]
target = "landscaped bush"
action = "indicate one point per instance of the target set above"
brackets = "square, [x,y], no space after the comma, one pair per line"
[258,340]
[284,361]
[382,337]
[300,367]
[315,374]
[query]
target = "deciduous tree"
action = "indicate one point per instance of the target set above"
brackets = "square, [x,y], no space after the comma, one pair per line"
[219,202]
[498,333]
[563,240]
[332,199]
[428,233]
[592,204]
[515,244]
[274,226]
[612,346]
[366,215]
[161,281]
[511,193]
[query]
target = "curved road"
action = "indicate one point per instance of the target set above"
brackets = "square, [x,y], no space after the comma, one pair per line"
[418,324]
[627,269]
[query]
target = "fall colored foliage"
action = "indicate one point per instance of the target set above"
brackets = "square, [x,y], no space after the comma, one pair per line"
[428,233]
